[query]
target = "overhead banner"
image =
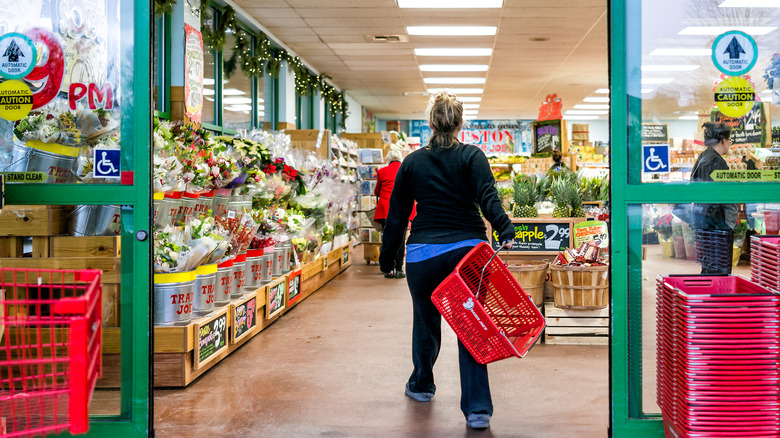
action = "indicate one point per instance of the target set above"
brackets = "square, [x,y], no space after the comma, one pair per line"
[494,137]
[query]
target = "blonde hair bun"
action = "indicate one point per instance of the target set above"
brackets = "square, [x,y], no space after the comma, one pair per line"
[445,113]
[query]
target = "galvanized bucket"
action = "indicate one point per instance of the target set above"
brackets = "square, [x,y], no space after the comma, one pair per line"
[287,247]
[239,267]
[278,259]
[224,283]
[57,161]
[187,208]
[254,265]
[173,295]
[205,289]
[169,209]
[220,203]
[205,201]
[95,220]
[157,199]
[266,270]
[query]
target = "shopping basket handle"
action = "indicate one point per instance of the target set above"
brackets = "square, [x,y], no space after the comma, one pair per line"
[482,274]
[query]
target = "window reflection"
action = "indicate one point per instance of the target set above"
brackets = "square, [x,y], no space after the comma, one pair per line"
[236,92]
[209,73]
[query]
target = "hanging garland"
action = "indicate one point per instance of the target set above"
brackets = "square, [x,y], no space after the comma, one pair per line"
[163,6]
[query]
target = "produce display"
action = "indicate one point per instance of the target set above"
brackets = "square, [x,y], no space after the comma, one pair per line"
[587,255]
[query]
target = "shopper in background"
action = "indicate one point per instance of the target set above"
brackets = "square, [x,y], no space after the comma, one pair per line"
[714,217]
[557,165]
[451,183]
[384,187]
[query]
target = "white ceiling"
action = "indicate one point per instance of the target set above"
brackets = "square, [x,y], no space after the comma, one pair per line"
[331,36]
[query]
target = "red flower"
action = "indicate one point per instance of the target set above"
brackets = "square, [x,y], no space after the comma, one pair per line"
[293,173]
[270,169]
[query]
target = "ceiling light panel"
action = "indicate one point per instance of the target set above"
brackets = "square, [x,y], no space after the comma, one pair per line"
[451,30]
[717,30]
[654,81]
[586,112]
[470,112]
[460,81]
[602,91]
[454,67]
[668,68]
[586,106]
[596,99]
[467,106]
[465,99]
[681,52]
[232,92]
[750,4]
[457,91]
[453,52]
[688,118]
[450,4]
[581,117]
[236,100]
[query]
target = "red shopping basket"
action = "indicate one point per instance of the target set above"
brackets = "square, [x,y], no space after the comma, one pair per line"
[490,313]
[50,350]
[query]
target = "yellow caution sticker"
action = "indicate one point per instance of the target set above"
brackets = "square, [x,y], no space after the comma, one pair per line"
[735,96]
[16,100]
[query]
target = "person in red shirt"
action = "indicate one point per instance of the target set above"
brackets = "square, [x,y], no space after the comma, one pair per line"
[385,177]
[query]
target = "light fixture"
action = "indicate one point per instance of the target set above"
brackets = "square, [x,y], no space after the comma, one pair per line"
[236,100]
[208,81]
[581,106]
[586,112]
[238,108]
[451,30]
[465,99]
[681,67]
[456,90]
[260,100]
[717,30]
[453,52]
[749,4]
[454,67]
[681,52]
[232,92]
[470,112]
[470,106]
[647,90]
[208,92]
[450,4]
[767,91]
[654,81]
[596,99]
[464,81]
[470,117]
[688,118]
[581,117]
[602,91]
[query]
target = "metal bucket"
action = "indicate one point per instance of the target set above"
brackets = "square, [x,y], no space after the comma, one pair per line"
[224,283]
[95,220]
[220,203]
[205,289]
[266,270]
[287,247]
[278,260]
[157,199]
[173,295]
[239,268]
[187,208]
[169,209]
[205,201]
[59,167]
[254,265]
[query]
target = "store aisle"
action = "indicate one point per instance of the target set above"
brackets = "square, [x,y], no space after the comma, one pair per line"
[335,366]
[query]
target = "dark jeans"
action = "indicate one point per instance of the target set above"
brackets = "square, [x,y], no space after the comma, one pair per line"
[399,257]
[423,278]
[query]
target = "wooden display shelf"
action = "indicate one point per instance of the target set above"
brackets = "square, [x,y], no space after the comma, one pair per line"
[576,327]
[306,139]
[34,220]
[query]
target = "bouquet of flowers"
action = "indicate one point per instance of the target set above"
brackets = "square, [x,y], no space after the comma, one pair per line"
[52,123]
[209,239]
[663,226]
[242,230]
[222,164]
[171,253]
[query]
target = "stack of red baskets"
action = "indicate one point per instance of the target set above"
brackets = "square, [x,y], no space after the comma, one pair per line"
[765,261]
[718,345]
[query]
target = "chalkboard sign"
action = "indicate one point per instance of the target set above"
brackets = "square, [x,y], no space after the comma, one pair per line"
[293,287]
[752,128]
[344,256]
[244,317]
[275,297]
[547,136]
[210,338]
[540,235]
[655,133]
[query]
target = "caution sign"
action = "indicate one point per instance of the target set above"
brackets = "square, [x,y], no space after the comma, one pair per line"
[734,53]
[25,177]
[16,100]
[735,96]
[746,175]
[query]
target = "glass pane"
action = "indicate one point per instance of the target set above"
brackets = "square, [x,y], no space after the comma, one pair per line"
[69,68]
[262,109]
[696,69]
[236,93]
[157,64]
[209,73]
[673,247]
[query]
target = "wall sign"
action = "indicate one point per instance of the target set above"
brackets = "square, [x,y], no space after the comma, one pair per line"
[16,100]
[655,158]
[293,287]
[750,128]
[587,231]
[547,136]
[244,317]
[539,235]
[655,132]
[106,163]
[275,297]
[344,256]
[211,338]
[193,69]
[735,96]
[494,137]
[18,55]
[734,53]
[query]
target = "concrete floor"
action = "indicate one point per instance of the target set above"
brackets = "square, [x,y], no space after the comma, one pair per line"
[335,366]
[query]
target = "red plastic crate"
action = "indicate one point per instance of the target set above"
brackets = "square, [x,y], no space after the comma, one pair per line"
[50,351]
[502,321]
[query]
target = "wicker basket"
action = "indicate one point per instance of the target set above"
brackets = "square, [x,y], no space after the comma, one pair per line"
[580,287]
[531,277]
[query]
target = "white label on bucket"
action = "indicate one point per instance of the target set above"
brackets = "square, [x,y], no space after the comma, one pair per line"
[231,214]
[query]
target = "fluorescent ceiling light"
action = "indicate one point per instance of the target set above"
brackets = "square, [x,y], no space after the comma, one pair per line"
[453,67]
[464,81]
[238,108]
[585,112]
[717,30]
[591,107]
[766,91]
[470,106]
[453,52]
[652,81]
[681,52]
[688,118]
[450,4]
[208,81]
[596,99]
[465,99]
[236,100]
[451,30]
[470,117]
[581,117]
[260,100]
[750,4]
[602,91]
[681,67]
[471,112]
[208,92]
[647,90]
[456,90]
[232,92]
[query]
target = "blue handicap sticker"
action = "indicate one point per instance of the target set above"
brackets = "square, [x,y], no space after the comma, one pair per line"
[655,158]
[106,163]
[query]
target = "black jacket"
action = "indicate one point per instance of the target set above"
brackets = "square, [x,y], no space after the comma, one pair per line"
[451,186]
[712,216]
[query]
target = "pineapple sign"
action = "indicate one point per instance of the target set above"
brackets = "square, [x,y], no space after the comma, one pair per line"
[539,235]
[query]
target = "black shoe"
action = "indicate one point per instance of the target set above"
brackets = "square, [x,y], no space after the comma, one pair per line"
[400,274]
[389,275]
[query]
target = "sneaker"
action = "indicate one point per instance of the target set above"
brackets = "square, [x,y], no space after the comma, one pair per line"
[389,275]
[400,274]
[420,396]
[478,421]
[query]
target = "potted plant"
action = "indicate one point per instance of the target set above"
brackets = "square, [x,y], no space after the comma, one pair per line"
[663,226]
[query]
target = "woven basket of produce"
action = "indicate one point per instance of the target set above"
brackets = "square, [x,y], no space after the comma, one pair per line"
[531,276]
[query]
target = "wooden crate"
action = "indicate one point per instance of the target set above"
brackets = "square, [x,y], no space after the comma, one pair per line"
[34,220]
[109,265]
[576,327]
[85,246]
[306,140]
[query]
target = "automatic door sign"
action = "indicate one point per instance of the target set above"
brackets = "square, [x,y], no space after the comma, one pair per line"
[655,158]
[734,53]
[18,55]
[16,100]
[735,96]
[106,163]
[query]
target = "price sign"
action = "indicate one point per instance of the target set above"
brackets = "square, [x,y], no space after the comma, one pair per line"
[547,136]
[543,235]
[588,231]
[344,256]
[211,339]
[244,317]
[294,287]
[657,133]
[275,297]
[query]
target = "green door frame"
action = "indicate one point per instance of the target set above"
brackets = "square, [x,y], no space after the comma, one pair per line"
[627,416]
[135,418]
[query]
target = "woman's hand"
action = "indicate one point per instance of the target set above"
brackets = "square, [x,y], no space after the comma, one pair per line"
[508,244]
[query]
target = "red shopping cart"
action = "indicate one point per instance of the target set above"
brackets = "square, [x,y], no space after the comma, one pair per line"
[487,309]
[50,350]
